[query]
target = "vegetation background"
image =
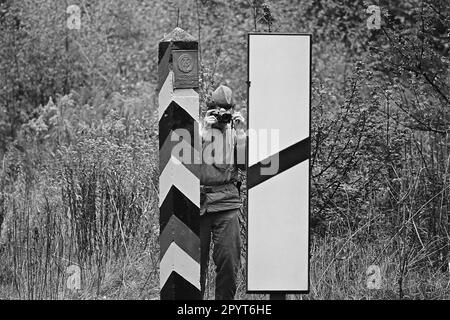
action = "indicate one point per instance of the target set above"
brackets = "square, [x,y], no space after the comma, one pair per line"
[79,152]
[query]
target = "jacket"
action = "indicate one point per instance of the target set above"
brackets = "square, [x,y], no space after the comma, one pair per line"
[219,175]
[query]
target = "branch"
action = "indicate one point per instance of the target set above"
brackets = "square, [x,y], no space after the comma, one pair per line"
[435,87]
[426,126]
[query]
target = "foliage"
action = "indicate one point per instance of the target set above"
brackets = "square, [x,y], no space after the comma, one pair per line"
[78,139]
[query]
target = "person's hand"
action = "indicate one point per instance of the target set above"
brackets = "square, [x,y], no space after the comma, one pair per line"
[239,121]
[209,119]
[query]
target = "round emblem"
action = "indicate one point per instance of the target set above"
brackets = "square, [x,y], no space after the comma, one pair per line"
[185,63]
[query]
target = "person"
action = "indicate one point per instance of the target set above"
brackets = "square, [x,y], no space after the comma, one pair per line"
[223,151]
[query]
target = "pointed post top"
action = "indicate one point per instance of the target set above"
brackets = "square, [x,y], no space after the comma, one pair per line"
[178,34]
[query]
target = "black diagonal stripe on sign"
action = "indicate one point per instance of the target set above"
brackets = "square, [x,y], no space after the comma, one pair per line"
[176,203]
[175,117]
[178,288]
[288,158]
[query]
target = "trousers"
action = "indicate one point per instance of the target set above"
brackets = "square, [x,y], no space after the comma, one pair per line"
[222,227]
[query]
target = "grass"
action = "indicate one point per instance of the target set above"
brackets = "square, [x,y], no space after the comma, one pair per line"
[39,240]
[333,276]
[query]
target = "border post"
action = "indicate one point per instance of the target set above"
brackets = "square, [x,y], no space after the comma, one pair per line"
[179,184]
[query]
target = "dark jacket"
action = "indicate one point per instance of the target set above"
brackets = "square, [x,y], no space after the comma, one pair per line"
[219,174]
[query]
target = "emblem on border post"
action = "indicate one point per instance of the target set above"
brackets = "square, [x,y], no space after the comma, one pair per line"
[185,68]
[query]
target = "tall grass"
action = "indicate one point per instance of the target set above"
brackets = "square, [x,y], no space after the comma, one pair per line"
[92,203]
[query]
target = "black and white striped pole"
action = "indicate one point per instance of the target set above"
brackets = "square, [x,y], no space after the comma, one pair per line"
[179,184]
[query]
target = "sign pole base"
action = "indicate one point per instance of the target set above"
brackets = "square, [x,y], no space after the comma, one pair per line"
[277,296]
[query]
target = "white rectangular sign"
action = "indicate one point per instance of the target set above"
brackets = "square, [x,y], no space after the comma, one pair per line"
[278,188]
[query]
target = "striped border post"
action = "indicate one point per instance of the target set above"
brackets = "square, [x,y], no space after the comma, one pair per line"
[179,184]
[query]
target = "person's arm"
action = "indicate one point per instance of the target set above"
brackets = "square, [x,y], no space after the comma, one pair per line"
[206,125]
[241,140]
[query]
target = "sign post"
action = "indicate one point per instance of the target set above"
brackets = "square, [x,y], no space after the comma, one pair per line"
[278,163]
[179,184]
